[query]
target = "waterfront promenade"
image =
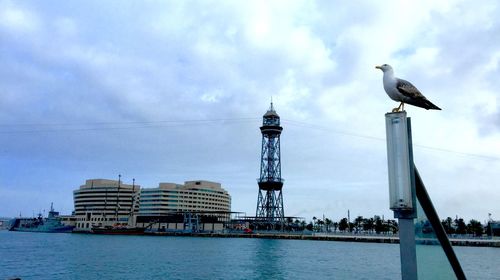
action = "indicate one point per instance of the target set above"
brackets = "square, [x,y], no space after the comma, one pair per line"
[472,242]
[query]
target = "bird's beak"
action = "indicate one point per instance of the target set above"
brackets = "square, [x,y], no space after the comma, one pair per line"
[378,67]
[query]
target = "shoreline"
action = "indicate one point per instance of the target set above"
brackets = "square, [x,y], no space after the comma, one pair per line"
[468,242]
[342,238]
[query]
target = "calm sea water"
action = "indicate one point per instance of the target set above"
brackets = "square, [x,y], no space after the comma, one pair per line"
[77,256]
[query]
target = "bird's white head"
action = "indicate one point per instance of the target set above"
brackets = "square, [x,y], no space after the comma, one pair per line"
[385,68]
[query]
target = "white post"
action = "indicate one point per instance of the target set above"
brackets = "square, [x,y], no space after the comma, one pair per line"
[398,159]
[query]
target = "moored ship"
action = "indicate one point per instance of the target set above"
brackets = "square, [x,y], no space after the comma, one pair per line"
[40,224]
[118,230]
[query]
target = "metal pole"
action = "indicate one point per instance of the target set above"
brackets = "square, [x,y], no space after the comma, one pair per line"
[402,188]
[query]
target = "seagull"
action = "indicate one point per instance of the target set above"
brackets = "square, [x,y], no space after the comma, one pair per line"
[403,91]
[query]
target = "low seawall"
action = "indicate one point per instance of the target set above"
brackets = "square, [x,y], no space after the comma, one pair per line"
[330,237]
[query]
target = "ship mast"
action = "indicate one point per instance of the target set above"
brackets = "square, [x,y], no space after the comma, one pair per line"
[118,199]
[105,203]
[133,194]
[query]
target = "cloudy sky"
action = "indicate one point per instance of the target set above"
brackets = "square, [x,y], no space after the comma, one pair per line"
[173,91]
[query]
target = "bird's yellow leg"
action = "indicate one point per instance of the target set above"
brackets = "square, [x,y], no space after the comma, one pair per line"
[395,110]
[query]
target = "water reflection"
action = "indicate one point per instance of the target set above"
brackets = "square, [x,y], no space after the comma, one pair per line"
[432,262]
[268,260]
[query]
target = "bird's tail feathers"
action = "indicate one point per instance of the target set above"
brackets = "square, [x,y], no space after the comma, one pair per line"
[430,105]
[423,103]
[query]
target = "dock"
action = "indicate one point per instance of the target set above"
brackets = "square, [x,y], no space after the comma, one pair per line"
[332,237]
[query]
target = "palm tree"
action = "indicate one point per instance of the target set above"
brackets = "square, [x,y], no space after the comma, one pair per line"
[343,224]
[475,227]
[357,222]
[335,226]
[320,224]
[328,223]
[379,227]
[392,225]
[368,225]
[447,225]
[460,226]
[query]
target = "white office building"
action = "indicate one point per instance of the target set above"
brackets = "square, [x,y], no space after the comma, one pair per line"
[193,196]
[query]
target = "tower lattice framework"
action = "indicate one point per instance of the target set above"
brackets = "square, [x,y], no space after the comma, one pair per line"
[270,209]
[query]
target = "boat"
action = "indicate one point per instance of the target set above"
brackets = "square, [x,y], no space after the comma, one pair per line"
[40,224]
[118,230]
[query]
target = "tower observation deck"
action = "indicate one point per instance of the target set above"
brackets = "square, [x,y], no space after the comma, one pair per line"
[270,211]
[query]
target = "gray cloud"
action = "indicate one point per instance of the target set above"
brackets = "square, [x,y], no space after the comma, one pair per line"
[108,76]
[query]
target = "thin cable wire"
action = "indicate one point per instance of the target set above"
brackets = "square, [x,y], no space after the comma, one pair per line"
[103,126]
[322,128]
[127,122]
[128,125]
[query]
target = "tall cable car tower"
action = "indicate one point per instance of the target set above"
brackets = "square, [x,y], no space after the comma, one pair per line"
[270,209]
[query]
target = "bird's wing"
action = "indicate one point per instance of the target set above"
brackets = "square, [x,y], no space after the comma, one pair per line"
[408,90]
[415,96]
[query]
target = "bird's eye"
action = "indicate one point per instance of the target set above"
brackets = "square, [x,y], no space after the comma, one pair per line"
[384,65]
